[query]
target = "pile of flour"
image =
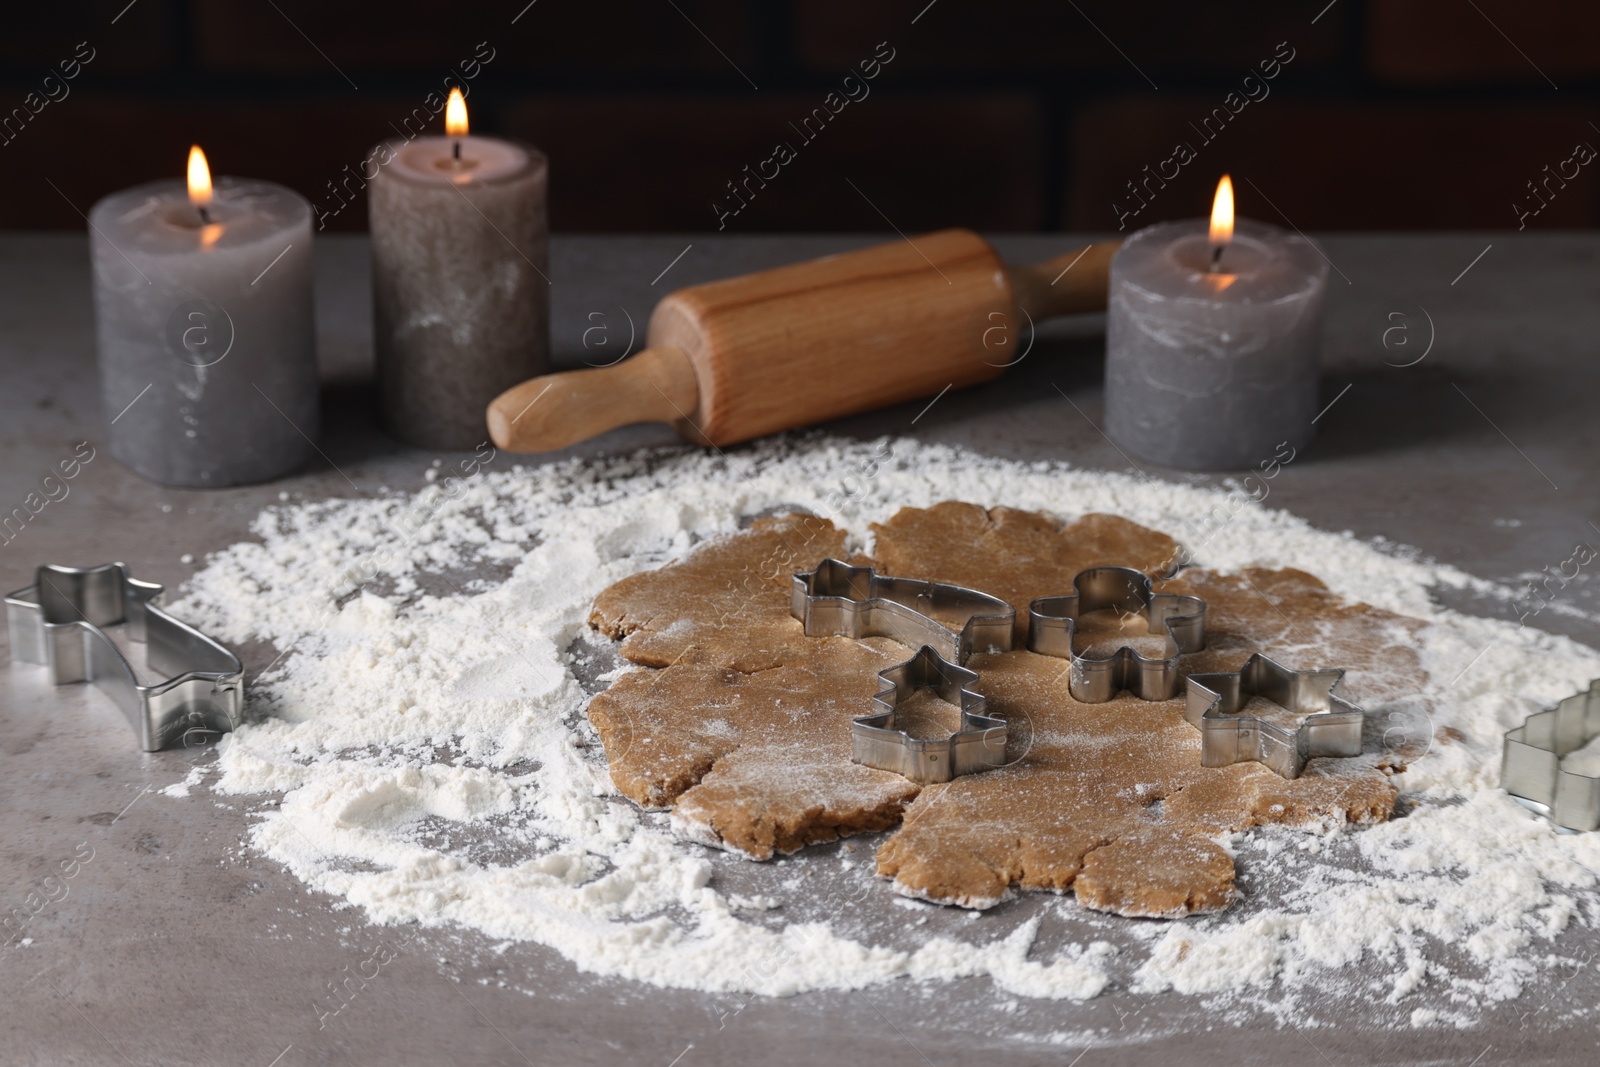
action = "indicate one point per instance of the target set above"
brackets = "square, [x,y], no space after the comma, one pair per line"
[423,725]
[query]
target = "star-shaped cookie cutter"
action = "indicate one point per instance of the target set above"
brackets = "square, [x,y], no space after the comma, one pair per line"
[836,599]
[1331,725]
[1532,772]
[979,745]
[1053,622]
[58,622]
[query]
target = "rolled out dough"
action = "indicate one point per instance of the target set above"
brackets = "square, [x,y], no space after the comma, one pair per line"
[742,724]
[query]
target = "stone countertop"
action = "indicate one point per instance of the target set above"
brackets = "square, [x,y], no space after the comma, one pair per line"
[1458,372]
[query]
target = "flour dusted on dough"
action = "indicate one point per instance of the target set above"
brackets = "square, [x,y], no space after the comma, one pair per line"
[424,727]
[771,771]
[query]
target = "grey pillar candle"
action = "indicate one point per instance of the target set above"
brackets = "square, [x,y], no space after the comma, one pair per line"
[1213,369]
[460,282]
[204,326]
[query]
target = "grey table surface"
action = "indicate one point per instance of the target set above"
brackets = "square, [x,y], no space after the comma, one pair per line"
[170,947]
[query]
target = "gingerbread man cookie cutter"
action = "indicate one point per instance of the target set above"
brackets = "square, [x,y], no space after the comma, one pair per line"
[1532,771]
[1331,726]
[836,599]
[57,622]
[979,745]
[1053,623]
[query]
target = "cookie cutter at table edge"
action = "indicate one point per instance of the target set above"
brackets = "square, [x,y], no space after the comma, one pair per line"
[57,622]
[837,599]
[1531,771]
[1331,726]
[979,744]
[1053,623]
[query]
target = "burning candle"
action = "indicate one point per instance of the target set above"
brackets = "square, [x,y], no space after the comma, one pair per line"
[460,278]
[1212,335]
[204,328]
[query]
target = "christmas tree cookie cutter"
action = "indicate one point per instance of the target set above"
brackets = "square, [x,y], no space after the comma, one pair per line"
[979,744]
[1331,726]
[1053,622]
[1532,770]
[836,599]
[57,622]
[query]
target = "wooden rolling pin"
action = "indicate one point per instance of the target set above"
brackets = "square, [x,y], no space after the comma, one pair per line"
[771,351]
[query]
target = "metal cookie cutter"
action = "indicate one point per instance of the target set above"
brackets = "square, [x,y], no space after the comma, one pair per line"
[57,622]
[1053,627]
[979,745]
[1531,770]
[1331,726]
[838,599]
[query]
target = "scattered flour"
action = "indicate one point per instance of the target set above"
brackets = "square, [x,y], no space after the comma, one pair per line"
[424,727]
[195,776]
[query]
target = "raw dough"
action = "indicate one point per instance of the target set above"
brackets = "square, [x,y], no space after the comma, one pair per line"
[727,602]
[1014,555]
[745,730]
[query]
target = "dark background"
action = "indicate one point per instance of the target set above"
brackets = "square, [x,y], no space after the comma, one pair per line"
[997,114]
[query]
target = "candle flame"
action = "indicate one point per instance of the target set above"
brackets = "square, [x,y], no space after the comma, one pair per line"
[199,178]
[455,114]
[1222,213]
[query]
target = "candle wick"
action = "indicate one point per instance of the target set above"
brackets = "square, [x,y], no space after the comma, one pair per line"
[455,151]
[205,216]
[1216,258]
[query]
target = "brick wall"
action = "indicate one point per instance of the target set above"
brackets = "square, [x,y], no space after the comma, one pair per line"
[997,114]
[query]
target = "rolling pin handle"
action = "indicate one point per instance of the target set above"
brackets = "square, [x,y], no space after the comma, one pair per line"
[1071,283]
[557,410]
